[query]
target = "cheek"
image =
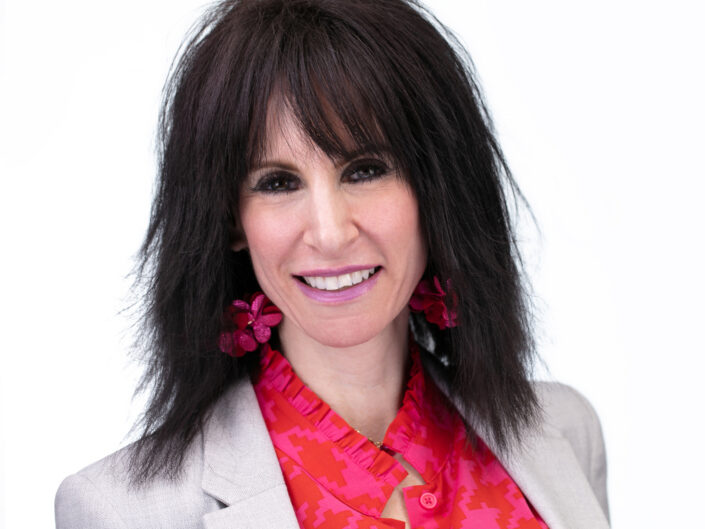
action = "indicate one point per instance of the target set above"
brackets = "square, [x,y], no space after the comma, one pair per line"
[394,223]
[395,220]
[268,235]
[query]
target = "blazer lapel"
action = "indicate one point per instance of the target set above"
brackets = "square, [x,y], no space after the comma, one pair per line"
[549,475]
[240,467]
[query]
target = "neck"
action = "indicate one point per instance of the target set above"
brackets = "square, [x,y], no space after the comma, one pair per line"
[363,383]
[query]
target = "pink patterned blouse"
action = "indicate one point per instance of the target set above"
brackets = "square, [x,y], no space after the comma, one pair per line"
[336,478]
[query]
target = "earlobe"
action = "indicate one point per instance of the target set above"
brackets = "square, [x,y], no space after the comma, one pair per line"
[238,246]
[238,241]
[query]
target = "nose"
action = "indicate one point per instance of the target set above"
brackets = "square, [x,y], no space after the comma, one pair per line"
[331,225]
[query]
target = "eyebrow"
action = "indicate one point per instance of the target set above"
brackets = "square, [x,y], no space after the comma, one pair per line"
[347,157]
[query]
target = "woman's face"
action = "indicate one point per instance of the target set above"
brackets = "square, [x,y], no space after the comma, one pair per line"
[316,227]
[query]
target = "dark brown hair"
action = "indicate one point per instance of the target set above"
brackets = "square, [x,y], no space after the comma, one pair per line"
[392,75]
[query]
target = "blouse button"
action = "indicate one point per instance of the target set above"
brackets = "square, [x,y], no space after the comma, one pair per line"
[428,500]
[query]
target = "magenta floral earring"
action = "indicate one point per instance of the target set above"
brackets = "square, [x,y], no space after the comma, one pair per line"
[248,324]
[429,298]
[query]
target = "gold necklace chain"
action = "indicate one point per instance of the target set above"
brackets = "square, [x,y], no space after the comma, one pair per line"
[378,444]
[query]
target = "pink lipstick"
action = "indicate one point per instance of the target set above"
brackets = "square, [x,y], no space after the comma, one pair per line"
[347,283]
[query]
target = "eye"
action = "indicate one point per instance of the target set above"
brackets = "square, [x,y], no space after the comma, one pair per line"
[365,170]
[277,183]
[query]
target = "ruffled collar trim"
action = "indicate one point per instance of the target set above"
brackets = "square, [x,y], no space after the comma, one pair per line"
[422,432]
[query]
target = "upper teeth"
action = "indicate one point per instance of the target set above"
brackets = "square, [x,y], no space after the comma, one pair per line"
[337,282]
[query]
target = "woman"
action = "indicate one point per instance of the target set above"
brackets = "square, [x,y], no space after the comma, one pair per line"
[336,326]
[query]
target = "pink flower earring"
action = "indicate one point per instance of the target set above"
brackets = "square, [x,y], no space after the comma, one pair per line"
[429,298]
[252,324]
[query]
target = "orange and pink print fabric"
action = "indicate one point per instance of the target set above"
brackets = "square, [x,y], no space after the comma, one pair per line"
[337,478]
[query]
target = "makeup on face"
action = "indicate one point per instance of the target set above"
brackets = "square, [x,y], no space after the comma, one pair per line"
[332,286]
[336,244]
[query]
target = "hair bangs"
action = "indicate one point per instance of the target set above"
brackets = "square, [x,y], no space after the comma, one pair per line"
[334,84]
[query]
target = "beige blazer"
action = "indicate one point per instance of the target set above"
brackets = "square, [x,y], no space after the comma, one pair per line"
[232,479]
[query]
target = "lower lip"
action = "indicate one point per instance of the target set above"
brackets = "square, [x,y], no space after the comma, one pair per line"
[338,296]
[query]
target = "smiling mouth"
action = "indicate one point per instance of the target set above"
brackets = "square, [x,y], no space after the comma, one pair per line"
[341,282]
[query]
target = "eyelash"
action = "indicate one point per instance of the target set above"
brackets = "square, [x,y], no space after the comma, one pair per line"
[267,183]
[378,166]
[270,182]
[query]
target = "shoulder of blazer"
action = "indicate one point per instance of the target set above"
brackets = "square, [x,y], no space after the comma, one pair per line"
[230,478]
[560,463]
[100,496]
[571,414]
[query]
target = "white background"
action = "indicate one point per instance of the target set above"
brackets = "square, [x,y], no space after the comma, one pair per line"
[599,106]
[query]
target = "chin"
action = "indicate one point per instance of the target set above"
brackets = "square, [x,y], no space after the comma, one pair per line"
[345,333]
[343,339]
